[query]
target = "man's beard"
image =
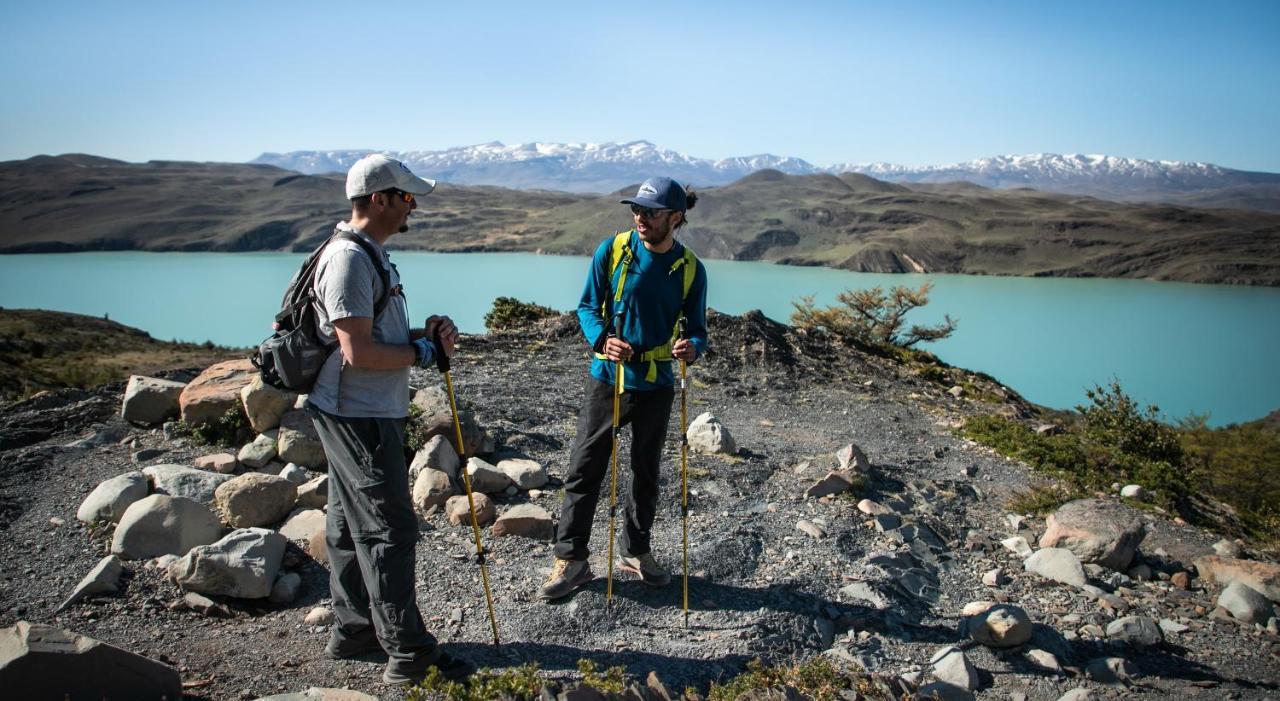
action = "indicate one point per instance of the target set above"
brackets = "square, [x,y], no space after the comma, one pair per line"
[403,228]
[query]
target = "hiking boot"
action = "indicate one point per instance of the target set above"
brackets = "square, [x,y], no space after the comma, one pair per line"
[451,668]
[647,567]
[347,648]
[566,575]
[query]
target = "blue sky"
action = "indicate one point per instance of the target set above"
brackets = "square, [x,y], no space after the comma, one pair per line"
[831,82]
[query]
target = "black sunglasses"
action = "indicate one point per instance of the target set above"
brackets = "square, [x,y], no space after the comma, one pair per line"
[646,212]
[406,196]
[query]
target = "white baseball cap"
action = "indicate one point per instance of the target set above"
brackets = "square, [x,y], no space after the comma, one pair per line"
[377,172]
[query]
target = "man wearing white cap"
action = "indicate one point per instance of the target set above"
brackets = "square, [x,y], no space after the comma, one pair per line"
[359,405]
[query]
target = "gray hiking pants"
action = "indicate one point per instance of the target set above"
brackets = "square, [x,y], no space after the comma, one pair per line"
[372,535]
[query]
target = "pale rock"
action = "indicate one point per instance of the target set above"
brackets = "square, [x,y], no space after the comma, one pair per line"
[264,404]
[1097,531]
[525,474]
[864,594]
[438,454]
[1004,625]
[314,693]
[318,547]
[993,578]
[183,481]
[222,463]
[108,501]
[150,400]
[852,459]
[285,589]
[942,691]
[254,499]
[1245,603]
[315,493]
[437,420]
[161,563]
[318,616]
[1262,577]
[1110,670]
[1172,627]
[1044,660]
[977,608]
[1018,546]
[431,489]
[1080,694]
[1138,631]
[104,577]
[298,441]
[706,434]
[459,513]
[951,666]
[302,525]
[204,605]
[1058,564]
[39,661]
[486,478]
[834,483]
[872,508]
[160,524]
[1048,429]
[956,391]
[1227,548]
[810,528]
[242,564]
[1016,522]
[215,391]
[295,473]
[260,451]
[525,520]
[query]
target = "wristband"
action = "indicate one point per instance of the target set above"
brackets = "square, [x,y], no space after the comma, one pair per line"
[423,353]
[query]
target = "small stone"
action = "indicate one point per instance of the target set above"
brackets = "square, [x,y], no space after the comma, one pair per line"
[1134,491]
[1110,670]
[1181,580]
[993,578]
[1044,660]
[834,483]
[1018,546]
[952,667]
[852,458]
[974,608]
[1001,626]
[1139,631]
[319,616]
[810,528]
[1227,548]
[872,508]
[1172,627]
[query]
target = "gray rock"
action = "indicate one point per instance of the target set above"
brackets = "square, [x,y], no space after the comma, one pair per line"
[183,481]
[1138,631]
[1110,670]
[1018,546]
[942,691]
[1096,530]
[298,441]
[162,525]
[834,483]
[297,474]
[459,513]
[38,661]
[150,400]
[437,454]
[264,404]
[525,520]
[486,478]
[1080,694]
[1058,564]
[321,694]
[1172,627]
[950,666]
[1001,626]
[302,525]
[706,434]
[147,454]
[243,564]
[525,474]
[204,605]
[1044,660]
[315,493]
[887,522]
[852,459]
[108,501]
[1245,603]
[810,529]
[431,490]
[285,589]
[222,463]
[863,593]
[1134,491]
[993,578]
[1227,548]
[104,577]
[255,499]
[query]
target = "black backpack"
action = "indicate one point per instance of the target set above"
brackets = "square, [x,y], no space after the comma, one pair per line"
[291,358]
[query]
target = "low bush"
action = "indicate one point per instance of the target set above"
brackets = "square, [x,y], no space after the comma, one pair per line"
[816,679]
[510,313]
[873,317]
[229,430]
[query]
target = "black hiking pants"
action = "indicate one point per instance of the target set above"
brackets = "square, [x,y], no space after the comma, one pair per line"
[372,535]
[648,414]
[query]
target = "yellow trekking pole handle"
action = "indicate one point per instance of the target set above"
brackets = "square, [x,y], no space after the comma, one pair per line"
[442,363]
[684,468]
[613,479]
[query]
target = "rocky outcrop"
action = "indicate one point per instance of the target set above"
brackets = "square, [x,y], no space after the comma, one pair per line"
[215,391]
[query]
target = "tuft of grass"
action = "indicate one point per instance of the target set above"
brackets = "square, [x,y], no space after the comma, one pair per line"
[816,679]
[612,681]
[1042,499]
[517,684]
[228,430]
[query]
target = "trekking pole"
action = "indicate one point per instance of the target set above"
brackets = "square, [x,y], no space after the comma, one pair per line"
[613,476]
[442,363]
[684,467]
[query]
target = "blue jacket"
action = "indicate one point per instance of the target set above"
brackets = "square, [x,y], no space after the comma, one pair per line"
[651,303]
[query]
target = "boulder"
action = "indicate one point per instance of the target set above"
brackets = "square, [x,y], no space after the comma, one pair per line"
[298,441]
[523,473]
[315,493]
[260,451]
[314,693]
[318,547]
[38,661]
[1134,491]
[297,474]
[1096,530]
[104,577]
[1018,546]
[1138,631]
[1227,548]
[459,513]
[285,589]
[301,525]
[1245,603]
[432,488]
[1001,626]
[183,481]
[437,454]
[242,564]
[707,435]
[150,400]
[852,459]
[486,478]
[1058,564]
[1262,577]
[108,500]
[437,419]
[1044,660]
[264,404]
[525,520]
[222,463]
[834,483]
[215,391]
[950,666]
[255,499]
[162,525]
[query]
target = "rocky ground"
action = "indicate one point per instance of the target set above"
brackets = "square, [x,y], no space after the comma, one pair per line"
[774,574]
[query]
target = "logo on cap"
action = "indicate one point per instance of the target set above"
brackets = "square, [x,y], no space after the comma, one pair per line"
[646,190]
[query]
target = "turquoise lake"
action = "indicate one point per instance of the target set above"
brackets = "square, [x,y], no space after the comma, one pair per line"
[1187,348]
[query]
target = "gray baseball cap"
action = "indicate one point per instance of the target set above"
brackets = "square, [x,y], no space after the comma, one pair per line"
[377,172]
[660,193]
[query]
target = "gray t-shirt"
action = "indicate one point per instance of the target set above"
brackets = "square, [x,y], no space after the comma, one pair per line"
[348,285]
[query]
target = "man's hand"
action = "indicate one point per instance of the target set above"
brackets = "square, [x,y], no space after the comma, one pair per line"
[683,349]
[448,332]
[617,350]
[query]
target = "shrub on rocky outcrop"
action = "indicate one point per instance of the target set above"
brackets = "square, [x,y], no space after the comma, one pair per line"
[510,313]
[873,317]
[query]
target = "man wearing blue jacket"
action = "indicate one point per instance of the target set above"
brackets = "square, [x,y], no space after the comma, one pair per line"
[647,281]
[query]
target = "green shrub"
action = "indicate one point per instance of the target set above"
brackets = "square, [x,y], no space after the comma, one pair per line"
[1241,466]
[816,679]
[510,313]
[873,317]
[518,684]
[1042,499]
[228,430]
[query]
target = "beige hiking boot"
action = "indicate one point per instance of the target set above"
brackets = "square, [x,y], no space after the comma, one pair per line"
[647,567]
[566,575]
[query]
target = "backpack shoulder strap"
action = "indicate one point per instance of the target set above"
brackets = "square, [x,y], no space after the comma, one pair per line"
[383,273]
[621,254]
[689,262]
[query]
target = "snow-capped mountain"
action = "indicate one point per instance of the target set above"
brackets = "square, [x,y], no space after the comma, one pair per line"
[585,167]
